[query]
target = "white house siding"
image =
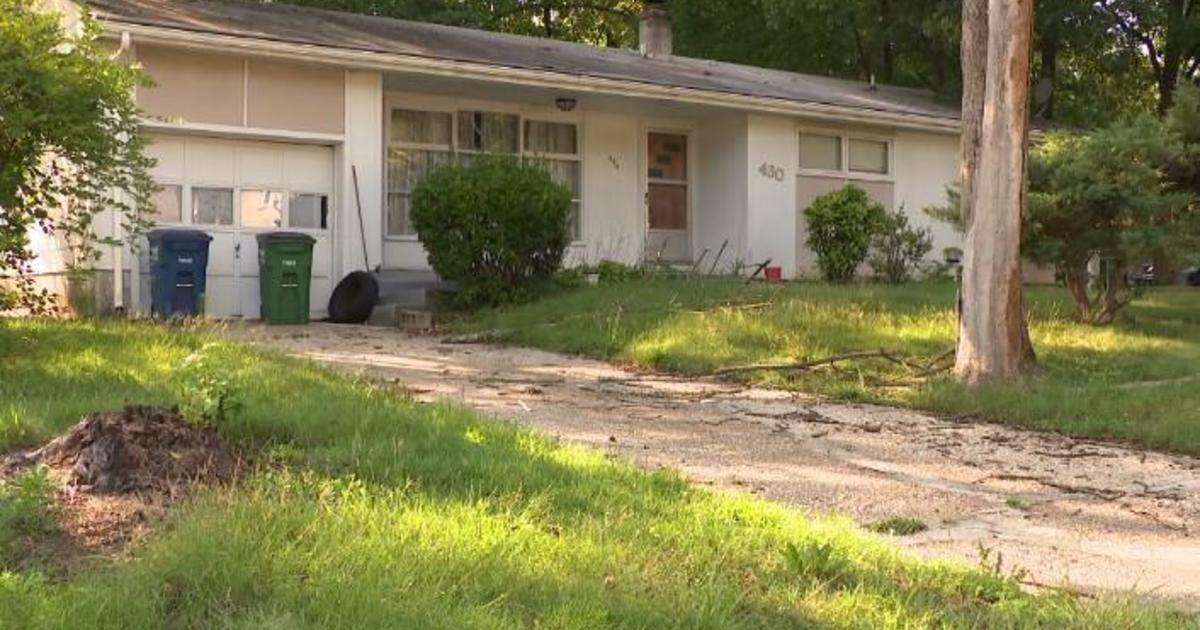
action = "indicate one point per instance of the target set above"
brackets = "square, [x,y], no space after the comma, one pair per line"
[723,190]
[772,159]
[925,165]
[362,154]
[613,216]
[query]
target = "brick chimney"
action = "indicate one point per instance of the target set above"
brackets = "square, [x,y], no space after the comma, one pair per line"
[654,31]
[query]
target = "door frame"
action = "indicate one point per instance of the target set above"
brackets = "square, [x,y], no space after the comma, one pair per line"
[680,128]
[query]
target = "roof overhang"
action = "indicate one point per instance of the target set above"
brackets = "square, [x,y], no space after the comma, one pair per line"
[370,60]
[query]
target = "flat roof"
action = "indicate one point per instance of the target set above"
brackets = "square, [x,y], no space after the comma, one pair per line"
[367,33]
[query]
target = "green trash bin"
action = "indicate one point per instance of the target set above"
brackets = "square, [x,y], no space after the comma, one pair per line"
[285,275]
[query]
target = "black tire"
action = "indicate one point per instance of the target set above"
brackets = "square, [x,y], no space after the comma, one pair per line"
[354,298]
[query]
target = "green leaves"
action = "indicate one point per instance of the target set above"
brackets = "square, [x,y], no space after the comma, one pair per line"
[841,225]
[70,146]
[496,228]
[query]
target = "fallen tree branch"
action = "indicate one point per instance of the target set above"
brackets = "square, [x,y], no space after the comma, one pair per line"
[801,366]
[1100,493]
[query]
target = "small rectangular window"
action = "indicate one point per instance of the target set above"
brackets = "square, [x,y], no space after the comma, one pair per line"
[166,204]
[308,211]
[416,127]
[820,152]
[212,206]
[868,156]
[550,137]
[262,208]
[489,132]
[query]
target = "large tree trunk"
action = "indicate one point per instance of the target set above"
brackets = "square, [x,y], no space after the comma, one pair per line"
[993,341]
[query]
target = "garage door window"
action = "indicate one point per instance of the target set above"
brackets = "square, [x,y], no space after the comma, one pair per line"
[212,206]
[261,208]
[167,204]
[308,211]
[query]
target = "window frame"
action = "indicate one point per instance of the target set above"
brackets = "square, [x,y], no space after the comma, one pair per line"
[843,171]
[400,101]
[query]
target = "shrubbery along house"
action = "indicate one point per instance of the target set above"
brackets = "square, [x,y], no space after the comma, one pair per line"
[268,117]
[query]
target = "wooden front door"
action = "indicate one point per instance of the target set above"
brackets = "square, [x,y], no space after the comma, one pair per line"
[668,198]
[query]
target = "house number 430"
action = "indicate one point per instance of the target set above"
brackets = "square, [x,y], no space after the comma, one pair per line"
[770,171]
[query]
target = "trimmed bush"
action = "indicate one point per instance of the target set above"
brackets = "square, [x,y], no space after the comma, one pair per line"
[898,248]
[496,228]
[841,225]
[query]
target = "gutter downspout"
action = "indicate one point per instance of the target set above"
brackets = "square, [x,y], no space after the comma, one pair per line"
[118,246]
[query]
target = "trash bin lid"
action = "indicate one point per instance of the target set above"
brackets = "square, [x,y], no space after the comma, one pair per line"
[285,237]
[177,235]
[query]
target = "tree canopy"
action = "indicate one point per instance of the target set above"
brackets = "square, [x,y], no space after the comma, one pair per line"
[69,141]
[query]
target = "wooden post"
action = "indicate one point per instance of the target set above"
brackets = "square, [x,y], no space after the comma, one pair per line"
[993,340]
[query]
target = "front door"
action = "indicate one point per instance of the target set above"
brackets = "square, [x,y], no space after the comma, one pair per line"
[668,198]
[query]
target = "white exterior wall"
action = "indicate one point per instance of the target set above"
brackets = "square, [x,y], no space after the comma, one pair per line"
[723,186]
[925,164]
[772,142]
[361,152]
[614,222]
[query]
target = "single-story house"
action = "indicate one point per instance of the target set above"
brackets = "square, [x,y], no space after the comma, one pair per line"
[275,117]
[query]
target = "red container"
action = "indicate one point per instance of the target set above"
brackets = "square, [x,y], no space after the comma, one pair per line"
[774,274]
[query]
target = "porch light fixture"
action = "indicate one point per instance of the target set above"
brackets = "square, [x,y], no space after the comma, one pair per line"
[566,104]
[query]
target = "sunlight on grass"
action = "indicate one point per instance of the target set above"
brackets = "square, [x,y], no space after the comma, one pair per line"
[368,510]
[696,327]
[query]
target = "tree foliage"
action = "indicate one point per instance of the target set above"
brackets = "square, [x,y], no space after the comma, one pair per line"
[69,142]
[1111,200]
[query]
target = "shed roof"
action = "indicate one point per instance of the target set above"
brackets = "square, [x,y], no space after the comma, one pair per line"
[349,31]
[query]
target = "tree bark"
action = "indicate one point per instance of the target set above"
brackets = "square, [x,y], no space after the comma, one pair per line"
[993,340]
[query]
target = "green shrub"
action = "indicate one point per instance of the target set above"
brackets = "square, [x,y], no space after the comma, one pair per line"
[841,225]
[898,248]
[496,228]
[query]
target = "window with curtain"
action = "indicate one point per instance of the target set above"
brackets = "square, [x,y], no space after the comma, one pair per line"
[820,152]
[868,156]
[488,132]
[420,142]
[554,147]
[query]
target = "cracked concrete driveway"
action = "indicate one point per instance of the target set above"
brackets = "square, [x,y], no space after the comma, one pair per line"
[1073,513]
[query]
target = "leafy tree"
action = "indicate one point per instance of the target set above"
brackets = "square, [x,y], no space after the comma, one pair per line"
[841,225]
[1166,32]
[69,141]
[1106,196]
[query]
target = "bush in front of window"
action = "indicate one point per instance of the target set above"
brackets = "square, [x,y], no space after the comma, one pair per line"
[496,228]
[841,226]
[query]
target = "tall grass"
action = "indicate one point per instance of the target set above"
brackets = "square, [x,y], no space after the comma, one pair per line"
[698,326]
[368,510]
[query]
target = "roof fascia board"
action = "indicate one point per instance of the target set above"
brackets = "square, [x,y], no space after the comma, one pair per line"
[369,60]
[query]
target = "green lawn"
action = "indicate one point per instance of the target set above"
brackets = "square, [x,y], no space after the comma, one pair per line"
[367,510]
[694,327]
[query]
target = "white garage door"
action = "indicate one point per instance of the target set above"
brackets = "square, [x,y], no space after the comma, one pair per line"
[236,190]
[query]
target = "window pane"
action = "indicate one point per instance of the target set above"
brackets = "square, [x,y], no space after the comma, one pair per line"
[397,216]
[308,211]
[565,172]
[261,208]
[668,156]
[488,132]
[575,221]
[820,152]
[407,167]
[548,137]
[212,206]
[869,156]
[420,127]
[668,207]
[167,205]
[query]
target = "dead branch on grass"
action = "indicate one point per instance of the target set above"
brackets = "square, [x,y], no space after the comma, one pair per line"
[923,369]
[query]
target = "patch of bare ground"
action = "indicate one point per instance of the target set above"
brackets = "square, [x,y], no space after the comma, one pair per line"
[117,474]
[1076,515]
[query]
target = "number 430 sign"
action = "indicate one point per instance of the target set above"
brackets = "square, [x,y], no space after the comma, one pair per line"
[770,171]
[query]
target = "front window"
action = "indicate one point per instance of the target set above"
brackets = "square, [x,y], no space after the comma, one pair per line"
[868,156]
[554,147]
[864,156]
[422,141]
[820,152]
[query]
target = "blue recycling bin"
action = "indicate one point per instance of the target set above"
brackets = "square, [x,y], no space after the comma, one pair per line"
[179,271]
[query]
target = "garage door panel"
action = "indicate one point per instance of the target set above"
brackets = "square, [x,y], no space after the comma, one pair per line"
[240,165]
